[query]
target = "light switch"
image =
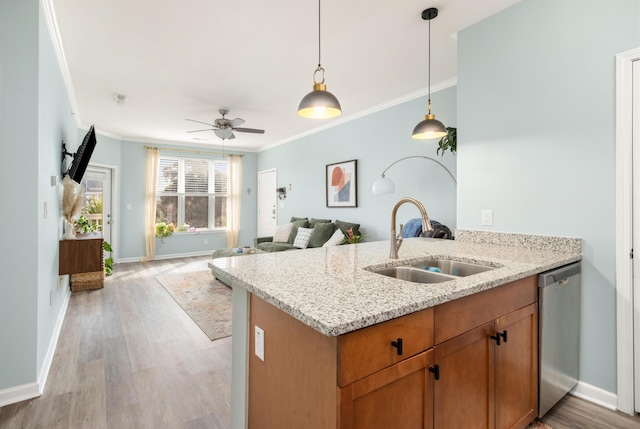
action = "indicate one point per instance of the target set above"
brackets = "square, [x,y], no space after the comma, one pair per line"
[487,217]
[259,343]
[129,206]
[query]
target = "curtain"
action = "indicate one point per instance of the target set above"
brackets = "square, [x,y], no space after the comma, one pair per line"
[233,199]
[153,155]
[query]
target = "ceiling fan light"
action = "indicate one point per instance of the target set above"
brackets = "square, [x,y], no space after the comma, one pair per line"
[319,104]
[430,128]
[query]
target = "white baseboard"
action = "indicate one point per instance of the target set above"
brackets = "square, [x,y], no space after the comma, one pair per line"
[596,395]
[19,393]
[23,392]
[46,366]
[172,256]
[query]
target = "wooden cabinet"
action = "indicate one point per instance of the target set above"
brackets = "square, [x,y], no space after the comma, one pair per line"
[485,381]
[83,259]
[436,368]
[82,255]
[400,396]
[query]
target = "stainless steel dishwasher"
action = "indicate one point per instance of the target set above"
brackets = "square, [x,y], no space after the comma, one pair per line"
[559,333]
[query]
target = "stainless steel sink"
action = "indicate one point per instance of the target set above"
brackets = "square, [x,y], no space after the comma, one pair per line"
[412,274]
[433,271]
[454,268]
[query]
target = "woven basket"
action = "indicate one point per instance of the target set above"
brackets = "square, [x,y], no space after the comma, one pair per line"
[87,281]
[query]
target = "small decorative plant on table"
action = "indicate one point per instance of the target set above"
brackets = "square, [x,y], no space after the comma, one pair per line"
[351,238]
[84,225]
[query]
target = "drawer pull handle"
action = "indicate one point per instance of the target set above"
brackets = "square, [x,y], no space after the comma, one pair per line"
[436,371]
[498,336]
[398,345]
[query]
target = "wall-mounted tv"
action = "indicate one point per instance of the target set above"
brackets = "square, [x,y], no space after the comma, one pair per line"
[82,156]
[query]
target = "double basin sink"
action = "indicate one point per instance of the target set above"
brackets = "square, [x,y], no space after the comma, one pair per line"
[433,270]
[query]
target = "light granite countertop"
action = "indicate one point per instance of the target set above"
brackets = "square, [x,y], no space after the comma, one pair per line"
[331,289]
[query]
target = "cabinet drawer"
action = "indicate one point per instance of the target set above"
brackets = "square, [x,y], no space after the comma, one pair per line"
[368,350]
[461,315]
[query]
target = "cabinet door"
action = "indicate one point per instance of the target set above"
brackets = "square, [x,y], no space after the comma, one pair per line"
[464,394]
[400,396]
[516,369]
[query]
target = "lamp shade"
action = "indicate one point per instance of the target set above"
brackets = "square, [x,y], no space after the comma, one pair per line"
[319,104]
[430,128]
[383,186]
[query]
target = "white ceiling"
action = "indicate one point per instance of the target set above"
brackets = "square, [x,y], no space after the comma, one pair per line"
[186,59]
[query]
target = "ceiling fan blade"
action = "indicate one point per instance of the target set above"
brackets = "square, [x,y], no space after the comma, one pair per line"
[249,130]
[197,131]
[224,133]
[232,137]
[235,122]
[200,122]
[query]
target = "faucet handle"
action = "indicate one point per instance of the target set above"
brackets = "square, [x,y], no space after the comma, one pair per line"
[400,233]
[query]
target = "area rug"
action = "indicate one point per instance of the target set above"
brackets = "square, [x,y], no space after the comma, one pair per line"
[203,298]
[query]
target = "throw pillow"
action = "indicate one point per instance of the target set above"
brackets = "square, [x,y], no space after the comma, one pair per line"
[336,239]
[294,229]
[282,233]
[293,218]
[313,222]
[302,238]
[344,226]
[321,233]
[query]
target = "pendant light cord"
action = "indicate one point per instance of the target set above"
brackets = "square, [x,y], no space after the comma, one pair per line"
[319,47]
[429,77]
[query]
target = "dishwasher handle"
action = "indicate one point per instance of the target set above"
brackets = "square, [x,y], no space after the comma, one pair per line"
[558,275]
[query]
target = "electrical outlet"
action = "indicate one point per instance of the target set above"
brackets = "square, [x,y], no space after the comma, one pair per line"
[487,217]
[45,210]
[259,343]
[206,241]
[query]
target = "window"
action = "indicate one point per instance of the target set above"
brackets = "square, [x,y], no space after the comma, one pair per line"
[192,191]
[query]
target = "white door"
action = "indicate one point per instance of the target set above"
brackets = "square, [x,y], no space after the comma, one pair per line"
[97,182]
[267,200]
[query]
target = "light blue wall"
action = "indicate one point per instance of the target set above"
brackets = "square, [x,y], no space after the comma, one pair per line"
[375,141]
[55,124]
[130,160]
[19,190]
[536,86]
[34,117]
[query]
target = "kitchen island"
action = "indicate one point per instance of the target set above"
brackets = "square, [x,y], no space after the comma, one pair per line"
[319,299]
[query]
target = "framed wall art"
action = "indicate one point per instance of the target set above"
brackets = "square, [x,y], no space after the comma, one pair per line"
[342,190]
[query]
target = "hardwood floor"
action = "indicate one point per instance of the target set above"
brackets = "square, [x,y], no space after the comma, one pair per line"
[129,357]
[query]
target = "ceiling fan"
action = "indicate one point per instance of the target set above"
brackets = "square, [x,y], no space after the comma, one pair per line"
[224,127]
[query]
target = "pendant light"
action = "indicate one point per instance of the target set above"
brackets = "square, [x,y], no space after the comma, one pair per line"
[319,103]
[430,128]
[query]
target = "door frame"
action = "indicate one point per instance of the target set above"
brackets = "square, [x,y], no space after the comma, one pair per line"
[270,170]
[624,230]
[115,205]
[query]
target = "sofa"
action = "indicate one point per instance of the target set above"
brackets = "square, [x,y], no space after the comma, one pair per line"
[302,233]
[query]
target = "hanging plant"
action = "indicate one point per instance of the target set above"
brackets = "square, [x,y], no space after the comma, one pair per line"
[448,142]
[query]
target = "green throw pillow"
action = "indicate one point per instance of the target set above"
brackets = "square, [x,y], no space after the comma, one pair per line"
[344,226]
[321,233]
[293,218]
[294,229]
[313,222]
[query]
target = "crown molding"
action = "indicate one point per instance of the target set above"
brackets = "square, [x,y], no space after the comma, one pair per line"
[52,24]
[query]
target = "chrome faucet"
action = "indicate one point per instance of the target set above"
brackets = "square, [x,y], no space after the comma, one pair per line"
[396,241]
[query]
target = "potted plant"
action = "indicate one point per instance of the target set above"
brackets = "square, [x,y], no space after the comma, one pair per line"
[84,225]
[164,230]
[108,263]
[450,141]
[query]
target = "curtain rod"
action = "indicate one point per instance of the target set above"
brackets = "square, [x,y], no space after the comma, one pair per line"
[204,152]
